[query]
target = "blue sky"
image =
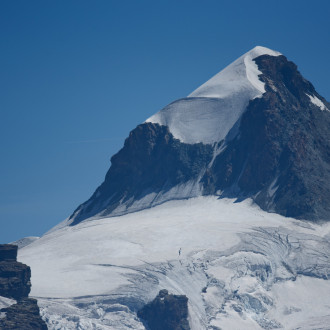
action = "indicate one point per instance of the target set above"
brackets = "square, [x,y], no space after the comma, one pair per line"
[77,76]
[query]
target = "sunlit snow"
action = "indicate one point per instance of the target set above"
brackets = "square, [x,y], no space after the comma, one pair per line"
[211,111]
[240,267]
[25,241]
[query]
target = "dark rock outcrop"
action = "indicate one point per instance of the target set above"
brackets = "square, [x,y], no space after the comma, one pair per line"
[23,315]
[8,252]
[15,284]
[166,312]
[281,158]
[152,160]
[14,276]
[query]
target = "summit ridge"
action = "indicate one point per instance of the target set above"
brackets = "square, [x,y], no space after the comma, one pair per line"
[229,79]
[210,112]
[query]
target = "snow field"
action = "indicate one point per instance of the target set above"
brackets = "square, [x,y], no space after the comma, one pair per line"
[238,266]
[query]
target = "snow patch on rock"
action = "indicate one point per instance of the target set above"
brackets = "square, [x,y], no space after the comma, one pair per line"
[315,100]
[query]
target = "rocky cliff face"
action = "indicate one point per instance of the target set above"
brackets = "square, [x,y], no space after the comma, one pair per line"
[281,158]
[14,276]
[277,153]
[15,284]
[150,164]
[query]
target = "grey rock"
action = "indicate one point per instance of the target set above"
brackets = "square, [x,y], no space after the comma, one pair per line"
[15,283]
[23,315]
[166,312]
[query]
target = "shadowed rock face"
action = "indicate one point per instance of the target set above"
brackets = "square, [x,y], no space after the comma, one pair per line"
[14,276]
[152,160]
[15,283]
[166,312]
[8,252]
[23,315]
[280,156]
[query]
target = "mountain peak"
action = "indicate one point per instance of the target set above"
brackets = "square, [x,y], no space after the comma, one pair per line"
[261,50]
[237,76]
[210,112]
[257,129]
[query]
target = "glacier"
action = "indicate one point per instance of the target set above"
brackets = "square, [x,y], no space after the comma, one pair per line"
[240,267]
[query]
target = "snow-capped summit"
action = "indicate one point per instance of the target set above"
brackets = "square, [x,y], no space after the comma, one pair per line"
[211,111]
[257,129]
[239,75]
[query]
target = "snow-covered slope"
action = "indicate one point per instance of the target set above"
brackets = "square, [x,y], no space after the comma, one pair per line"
[240,267]
[211,111]
[25,241]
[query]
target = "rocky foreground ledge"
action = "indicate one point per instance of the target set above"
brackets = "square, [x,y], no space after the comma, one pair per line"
[15,285]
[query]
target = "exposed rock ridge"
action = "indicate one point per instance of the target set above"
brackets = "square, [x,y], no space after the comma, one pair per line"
[281,158]
[15,283]
[152,161]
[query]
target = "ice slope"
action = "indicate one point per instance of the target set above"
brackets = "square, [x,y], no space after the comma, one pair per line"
[211,111]
[240,267]
[25,241]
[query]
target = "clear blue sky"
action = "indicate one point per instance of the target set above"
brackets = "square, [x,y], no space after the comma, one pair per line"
[77,76]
